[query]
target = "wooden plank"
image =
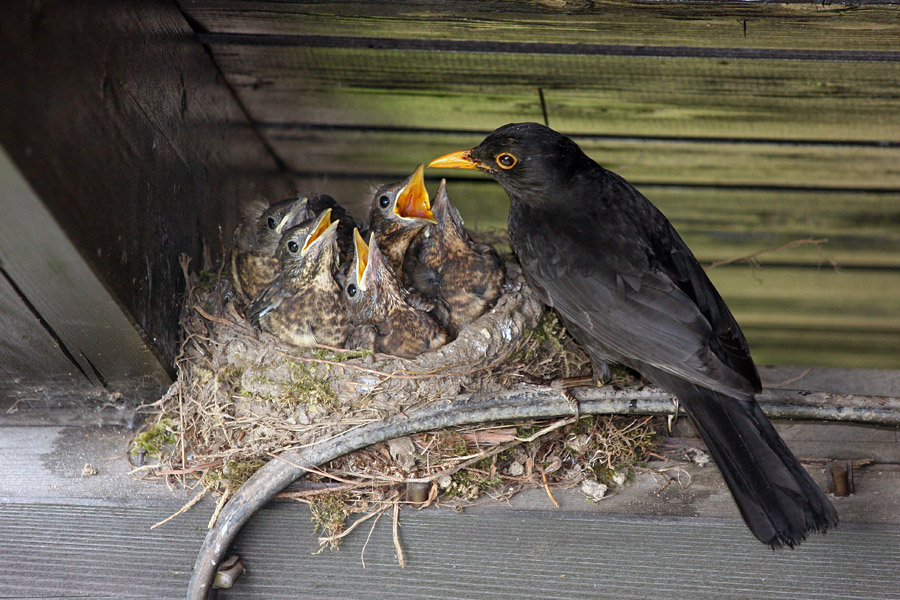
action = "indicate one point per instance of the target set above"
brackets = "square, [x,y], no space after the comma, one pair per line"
[61,550]
[139,151]
[821,100]
[66,551]
[87,340]
[698,24]
[29,351]
[673,161]
[801,316]
[61,531]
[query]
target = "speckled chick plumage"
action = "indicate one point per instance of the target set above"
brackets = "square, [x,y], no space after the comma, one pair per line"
[253,261]
[304,305]
[385,321]
[462,277]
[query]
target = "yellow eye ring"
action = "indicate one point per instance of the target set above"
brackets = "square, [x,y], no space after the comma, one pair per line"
[506,160]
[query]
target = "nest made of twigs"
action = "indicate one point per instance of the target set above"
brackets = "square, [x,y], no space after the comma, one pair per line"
[241,397]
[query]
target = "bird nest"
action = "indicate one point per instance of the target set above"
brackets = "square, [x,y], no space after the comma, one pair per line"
[241,397]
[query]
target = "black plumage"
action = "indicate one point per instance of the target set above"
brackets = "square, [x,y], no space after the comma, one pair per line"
[631,292]
[346,225]
[463,278]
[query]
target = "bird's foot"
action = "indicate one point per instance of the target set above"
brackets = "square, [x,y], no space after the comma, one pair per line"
[671,419]
[563,384]
[576,405]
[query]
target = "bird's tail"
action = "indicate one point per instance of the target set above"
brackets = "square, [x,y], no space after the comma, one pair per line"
[776,496]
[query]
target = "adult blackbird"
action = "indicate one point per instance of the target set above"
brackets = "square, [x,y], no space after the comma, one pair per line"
[253,262]
[461,276]
[386,322]
[631,292]
[303,305]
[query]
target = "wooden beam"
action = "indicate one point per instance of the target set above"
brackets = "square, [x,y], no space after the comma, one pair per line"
[129,136]
[788,25]
[63,332]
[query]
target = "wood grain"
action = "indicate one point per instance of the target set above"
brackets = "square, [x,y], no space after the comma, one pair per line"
[700,24]
[823,100]
[674,161]
[126,131]
[64,333]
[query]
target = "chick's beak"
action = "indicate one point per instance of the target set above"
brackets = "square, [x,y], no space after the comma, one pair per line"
[362,257]
[323,226]
[412,202]
[456,160]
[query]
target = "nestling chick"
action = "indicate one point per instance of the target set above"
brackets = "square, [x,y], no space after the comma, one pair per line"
[462,277]
[304,305]
[399,212]
[375,299]
[253,262]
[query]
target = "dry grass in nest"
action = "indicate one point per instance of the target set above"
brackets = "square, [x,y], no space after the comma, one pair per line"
[241,398]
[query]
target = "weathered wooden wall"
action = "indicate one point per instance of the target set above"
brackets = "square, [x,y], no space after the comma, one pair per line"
[118,126]
[750,125]
[140,126]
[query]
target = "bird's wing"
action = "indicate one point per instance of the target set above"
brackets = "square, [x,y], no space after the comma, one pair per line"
[266,301]
[625,308]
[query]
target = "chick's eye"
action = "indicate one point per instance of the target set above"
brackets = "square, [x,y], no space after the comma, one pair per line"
[271,223]
[293,247]
[506,160]
[351,290]
[384,201]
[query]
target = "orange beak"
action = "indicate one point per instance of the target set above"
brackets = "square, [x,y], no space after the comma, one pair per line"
[457,160]
[412,202]
[362,257]
[323,225]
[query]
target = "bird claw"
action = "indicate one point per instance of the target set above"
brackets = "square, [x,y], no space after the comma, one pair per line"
[576,405]
[673,418]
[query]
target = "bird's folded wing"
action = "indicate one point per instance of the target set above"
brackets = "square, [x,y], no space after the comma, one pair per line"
[633,316]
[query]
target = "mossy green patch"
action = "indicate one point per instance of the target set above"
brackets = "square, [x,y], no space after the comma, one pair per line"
[156,437]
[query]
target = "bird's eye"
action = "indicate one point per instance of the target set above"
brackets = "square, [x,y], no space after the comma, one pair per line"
[293,247]
[351,290]
[271,223]
[506,160]
[384,202]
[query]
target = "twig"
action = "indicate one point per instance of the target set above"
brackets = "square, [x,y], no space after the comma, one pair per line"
[194,469]
[183,509]
[347,487]
[493,451]
[362,553]
[752,258]
[219,504]
[547,489]
[397,545]
[333,538]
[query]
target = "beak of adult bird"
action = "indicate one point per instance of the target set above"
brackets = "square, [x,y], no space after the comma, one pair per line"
[458,160]
[412,201]
[323,229]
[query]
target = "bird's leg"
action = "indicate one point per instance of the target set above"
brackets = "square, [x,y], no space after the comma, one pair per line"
[600,377]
